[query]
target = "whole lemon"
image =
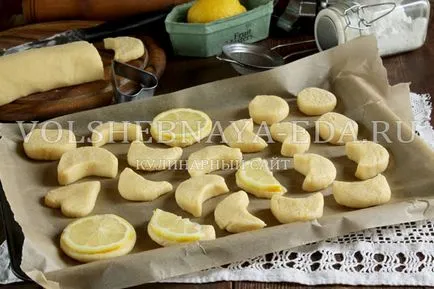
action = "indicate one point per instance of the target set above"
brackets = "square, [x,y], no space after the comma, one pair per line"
[204,11]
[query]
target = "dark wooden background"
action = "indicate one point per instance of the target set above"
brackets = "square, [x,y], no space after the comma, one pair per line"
[415,67]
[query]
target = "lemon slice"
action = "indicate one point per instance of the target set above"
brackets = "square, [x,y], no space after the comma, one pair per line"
[169,229]
[255,177]
[97,234]
[181,127]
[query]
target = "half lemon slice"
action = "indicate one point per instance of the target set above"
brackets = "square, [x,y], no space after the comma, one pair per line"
[181,127]
[255,177]
[168,229]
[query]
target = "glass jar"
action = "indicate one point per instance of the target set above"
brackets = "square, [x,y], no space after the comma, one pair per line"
[399,26]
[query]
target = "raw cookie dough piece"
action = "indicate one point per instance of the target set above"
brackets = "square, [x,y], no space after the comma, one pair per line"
[255,177]
[142,157]
[239,134]
[268,108]
[77,200]
[116,131]
[295,139]
[232,215]
[181,127]
[42,69]
[319,171]
[126,48]
[371,158]
[98,237]
[192,193]
[336,128]
[167,229]
[288,210]
[49,144]
[315,101]
[86,161]
[372,192]
[134,187]
[213,158]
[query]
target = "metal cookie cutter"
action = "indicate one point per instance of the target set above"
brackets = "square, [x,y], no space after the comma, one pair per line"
[147,82]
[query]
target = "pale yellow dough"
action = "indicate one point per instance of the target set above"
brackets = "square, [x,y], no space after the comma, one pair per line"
[192,193]
[372,192]
[76,200]
[336,128]
[315,101]
[239,134]
[134,187]
[255,177]
[86,161]
[268,108]
[43,69]
[143,157]
[319,171]
[49,144]
[126,48]
[371,158]
[213,158]
[288,210]
[231,214]
[294,138]
[115,131]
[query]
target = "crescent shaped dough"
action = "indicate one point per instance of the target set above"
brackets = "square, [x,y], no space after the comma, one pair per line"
[239,134]
[126,48]
[142,157]
[336,128]
[86,161]
[288,210]
[76,200]
[49,144]
[213,158]
[371,158]
[268,108]
[362,194]
[294,138]
[191,193]
[319,171]
[115,131]
[134,187]
[232,215]
[315,101]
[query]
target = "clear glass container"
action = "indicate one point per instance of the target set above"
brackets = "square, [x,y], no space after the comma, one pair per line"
[399,26]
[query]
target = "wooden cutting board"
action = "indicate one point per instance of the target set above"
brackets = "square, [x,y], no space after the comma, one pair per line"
[44,105]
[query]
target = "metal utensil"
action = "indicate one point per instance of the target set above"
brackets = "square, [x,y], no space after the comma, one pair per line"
[147,82]
[99,32]
[251,58]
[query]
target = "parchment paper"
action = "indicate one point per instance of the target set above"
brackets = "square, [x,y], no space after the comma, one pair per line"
[354,72]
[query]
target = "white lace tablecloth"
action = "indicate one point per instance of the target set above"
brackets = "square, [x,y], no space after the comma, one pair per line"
[394,255]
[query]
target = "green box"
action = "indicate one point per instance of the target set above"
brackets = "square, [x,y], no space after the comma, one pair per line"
[203,40]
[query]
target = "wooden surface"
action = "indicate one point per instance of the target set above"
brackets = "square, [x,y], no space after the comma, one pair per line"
[75,98]
[414,67]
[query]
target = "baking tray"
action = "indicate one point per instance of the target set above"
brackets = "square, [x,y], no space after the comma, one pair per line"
[14,237]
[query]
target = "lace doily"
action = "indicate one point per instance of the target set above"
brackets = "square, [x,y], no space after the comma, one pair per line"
[394,255]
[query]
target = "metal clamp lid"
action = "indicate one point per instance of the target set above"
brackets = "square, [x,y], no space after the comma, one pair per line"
[359,10]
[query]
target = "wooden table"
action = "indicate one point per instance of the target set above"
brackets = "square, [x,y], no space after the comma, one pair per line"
[415,67]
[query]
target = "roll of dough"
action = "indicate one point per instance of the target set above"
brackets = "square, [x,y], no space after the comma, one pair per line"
[42,69]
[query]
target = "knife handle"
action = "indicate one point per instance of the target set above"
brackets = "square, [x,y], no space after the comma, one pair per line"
[121,27]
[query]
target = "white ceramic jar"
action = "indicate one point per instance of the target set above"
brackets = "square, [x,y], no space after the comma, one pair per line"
[399,26]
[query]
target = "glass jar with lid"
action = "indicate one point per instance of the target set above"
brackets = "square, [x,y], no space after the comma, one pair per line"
[399,26]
